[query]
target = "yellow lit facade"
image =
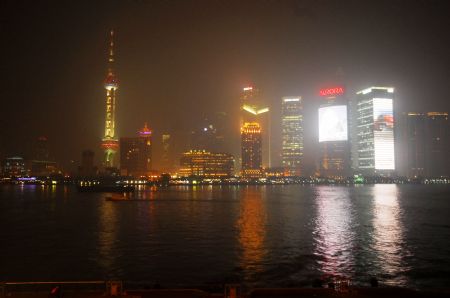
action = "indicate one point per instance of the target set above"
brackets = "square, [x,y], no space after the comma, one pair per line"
[206,164]
[292,135]
[251,150]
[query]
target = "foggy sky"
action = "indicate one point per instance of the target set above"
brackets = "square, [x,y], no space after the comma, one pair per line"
[179,61]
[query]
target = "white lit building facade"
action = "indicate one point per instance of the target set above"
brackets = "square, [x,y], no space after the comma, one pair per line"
[374,151]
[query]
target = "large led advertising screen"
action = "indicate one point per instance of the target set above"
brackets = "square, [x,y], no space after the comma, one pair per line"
[383,132]
[333,123]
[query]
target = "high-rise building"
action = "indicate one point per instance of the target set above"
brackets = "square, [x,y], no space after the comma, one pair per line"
[166,163]
[87,167]
[437,147]
[41,151]
[252,104]
[373,131]
[136,154]
[41,165]
[334,138]
[251,150]
[201,163]
[255,110]
[292,135]
[413,140]
[424,143]
[110,142]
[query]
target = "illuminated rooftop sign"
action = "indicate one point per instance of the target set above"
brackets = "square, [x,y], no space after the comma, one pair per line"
[335,91]
[368,90]
[291,99]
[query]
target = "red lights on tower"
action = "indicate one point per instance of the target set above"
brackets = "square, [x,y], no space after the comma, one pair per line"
[329,92]
[110,144]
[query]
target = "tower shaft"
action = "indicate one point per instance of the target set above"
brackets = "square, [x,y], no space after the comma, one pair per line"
[110,143]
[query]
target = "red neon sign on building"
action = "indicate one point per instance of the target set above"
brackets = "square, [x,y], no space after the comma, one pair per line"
[335,91]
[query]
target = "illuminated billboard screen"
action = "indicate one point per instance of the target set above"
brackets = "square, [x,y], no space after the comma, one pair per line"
[333,123]
[383,132]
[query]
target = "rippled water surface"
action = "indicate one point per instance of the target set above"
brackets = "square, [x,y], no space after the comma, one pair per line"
[258,235]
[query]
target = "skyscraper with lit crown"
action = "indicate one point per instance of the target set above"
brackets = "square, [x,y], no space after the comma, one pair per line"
[251,146]
[136,153]
[255,110]
[110,143]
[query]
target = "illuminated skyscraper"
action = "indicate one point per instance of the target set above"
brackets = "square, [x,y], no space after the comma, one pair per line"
[145,134]
[374,131]
[254,109]
[292,135]
[252,105]
[136,154]
[251,150]
[110,142]
[333,133]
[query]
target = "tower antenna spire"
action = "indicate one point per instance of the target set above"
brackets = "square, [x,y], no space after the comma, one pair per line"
[111,47]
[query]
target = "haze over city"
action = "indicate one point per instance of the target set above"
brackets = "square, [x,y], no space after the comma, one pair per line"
[225,148]
[181,61]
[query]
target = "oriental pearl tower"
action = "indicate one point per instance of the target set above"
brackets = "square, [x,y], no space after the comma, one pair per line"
[110,143]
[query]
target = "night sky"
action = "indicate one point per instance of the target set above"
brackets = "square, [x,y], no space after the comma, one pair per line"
[180,61]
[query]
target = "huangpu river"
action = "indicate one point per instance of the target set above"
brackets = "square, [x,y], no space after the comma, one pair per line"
[266,236]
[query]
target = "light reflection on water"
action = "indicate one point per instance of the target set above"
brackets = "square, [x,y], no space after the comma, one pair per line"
[343,247]
[251,226]
[333,235]
[266,235]
[107,236]
[388,235]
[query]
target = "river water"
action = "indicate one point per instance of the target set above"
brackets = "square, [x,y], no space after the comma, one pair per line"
[203,235]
